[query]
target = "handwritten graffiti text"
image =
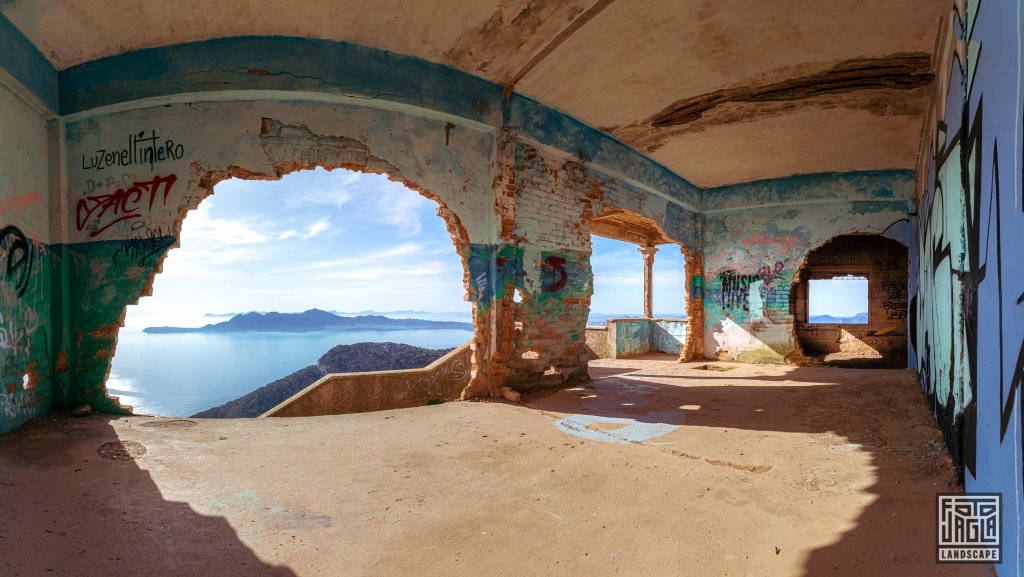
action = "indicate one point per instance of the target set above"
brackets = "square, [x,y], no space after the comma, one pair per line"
[103,211]
[16,205]
[144,249]
[141,149]
[20,253]
[736,288]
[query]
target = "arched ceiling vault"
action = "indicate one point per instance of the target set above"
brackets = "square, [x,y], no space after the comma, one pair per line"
[719,91]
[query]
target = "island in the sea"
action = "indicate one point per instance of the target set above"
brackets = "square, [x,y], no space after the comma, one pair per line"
[311,320]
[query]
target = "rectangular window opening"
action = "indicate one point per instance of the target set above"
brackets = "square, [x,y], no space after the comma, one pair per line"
[838,300]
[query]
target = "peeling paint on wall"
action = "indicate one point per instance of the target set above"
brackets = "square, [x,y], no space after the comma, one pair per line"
[754,243]
[26,345]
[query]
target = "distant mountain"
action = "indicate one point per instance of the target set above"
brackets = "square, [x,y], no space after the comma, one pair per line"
[857,319]
[311,320]
[424,315]
[356,358]
[406,312]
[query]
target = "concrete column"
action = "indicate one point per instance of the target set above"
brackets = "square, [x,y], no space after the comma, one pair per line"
[648,253]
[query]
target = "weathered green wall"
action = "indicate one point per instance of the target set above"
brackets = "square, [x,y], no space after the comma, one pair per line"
[757,235]
[27,343]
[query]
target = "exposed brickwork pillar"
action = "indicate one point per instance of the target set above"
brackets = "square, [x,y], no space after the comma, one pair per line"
[693,348]
[494,322]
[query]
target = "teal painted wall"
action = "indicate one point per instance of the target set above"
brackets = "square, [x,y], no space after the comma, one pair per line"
[632,337]
[640,336]
[27,345]
[668,336]
[756,237]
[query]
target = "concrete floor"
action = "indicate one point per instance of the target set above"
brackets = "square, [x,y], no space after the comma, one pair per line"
[653,469]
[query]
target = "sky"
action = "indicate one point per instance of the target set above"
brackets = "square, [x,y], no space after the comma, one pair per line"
[347,241]
[619,279]
[837,297]
[337,240]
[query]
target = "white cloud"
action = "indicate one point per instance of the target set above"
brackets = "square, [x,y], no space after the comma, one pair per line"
[398,207]
[386,273]
[323,188]
[287,234]
[404,249]
[200,226]
[400,250]
[316,228]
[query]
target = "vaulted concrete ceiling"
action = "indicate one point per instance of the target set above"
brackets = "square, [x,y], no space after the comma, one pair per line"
[720,91]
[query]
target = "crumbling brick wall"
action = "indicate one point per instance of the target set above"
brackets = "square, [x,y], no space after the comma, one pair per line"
[884,262]
[555,201]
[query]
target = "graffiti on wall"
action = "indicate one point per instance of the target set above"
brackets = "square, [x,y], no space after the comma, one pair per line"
[948,360]
[98,212]
[141,149]
[735,288]
[766,289]
[144,249]
[24,349]
[965,290]
[19,253]
[565,274]
[554,275]
[15,206]
[895,303]
[765,259]
[493,270]
[771,273]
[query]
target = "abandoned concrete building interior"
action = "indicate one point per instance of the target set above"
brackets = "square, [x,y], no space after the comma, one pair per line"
[773,143]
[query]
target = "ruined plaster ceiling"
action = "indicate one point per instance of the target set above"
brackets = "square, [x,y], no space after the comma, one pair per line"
[720,91]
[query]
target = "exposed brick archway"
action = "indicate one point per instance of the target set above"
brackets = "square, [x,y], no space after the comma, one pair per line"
[292,149]
[882,339]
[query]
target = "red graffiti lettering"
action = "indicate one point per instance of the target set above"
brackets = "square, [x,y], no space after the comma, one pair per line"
[105,210]
[556,263]
[16,205]
[768,275]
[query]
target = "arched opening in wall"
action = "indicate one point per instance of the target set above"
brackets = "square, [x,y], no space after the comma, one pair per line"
[278,283]
[849,302]
[639,304]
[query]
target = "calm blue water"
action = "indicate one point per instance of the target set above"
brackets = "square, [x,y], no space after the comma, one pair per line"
[178,375]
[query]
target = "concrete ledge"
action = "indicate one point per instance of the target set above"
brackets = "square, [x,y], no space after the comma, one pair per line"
[343,393]
[597,342]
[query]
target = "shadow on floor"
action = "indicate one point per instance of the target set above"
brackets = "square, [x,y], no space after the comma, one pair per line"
[879,412]
[72,512]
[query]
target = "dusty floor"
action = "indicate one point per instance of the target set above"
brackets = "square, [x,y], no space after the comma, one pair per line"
[653,469]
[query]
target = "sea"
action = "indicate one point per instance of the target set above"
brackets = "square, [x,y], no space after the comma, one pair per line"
[178,375]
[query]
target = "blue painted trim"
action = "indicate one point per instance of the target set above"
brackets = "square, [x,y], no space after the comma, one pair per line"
[278,63]
[301,64]
[559,130]
[22,60]
[868,185]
